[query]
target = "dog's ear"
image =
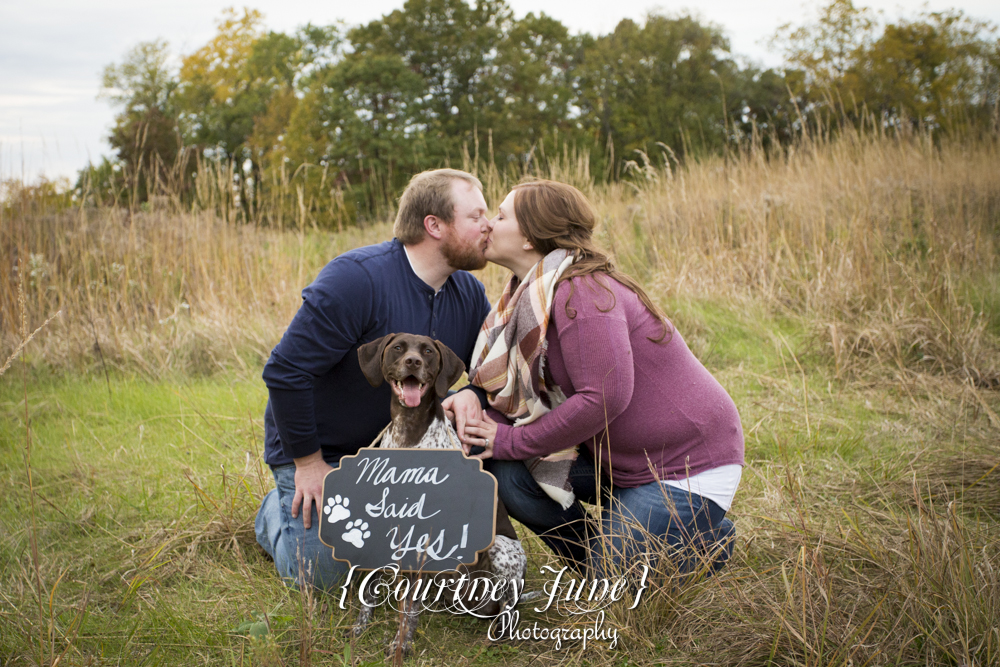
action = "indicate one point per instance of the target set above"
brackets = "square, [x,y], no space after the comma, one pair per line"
[370,358]
[451,369]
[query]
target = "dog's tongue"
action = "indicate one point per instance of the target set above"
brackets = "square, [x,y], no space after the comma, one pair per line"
[411,392]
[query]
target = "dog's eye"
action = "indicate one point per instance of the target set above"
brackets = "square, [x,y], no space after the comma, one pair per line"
[428,351]
[398,348]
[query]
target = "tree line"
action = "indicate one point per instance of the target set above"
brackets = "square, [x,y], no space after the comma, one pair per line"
[334,119]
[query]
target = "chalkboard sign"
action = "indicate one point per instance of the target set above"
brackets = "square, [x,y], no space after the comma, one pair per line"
[421,509]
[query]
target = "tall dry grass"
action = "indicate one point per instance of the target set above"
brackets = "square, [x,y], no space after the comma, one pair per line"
[816,581]
[875,240]
[872,239]
[160,291]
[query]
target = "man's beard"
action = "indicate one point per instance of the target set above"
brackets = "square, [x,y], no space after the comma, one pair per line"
[461,257]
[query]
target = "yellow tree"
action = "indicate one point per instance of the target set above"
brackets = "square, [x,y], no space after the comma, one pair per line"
[214,86]
[827,51]
[939,70]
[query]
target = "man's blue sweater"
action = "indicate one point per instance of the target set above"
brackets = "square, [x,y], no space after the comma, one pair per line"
[318,396]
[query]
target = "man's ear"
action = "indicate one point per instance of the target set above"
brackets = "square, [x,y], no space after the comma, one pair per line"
[370,358]
[451,369]
[433,226]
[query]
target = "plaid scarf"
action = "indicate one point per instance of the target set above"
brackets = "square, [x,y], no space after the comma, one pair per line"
[510,363]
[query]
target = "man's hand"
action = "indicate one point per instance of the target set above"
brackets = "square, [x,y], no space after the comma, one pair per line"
[461,408]
[309,473]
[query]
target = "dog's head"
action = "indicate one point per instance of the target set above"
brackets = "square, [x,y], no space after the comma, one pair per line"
[412,365]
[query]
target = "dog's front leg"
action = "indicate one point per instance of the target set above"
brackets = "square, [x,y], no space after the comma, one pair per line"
[365,615]
[409,614]
[509,563]
[364,618]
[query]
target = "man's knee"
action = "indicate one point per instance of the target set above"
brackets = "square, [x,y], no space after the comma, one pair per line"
[306,561]
[316,569]
[267,525]
[299,556]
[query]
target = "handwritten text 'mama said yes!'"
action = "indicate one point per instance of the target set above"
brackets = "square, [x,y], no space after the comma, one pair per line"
[376,471]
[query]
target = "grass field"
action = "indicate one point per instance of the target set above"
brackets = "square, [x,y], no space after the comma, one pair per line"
[846,294]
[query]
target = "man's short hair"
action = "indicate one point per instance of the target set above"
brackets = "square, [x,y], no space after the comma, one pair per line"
[428,193]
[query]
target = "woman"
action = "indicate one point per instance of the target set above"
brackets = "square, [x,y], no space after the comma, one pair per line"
[594,397]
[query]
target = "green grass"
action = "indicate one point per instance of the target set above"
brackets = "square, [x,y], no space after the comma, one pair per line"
[117,476]
[145,494]
[984,297]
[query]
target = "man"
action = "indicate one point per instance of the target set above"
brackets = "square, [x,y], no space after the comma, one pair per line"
[320,405]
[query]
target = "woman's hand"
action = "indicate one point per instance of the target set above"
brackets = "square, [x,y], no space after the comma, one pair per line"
[482,433]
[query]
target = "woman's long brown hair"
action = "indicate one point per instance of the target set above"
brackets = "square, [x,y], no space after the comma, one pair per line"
[556,215]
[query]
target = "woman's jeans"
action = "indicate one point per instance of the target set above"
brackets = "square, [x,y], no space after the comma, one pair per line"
[298,554]
[649,520]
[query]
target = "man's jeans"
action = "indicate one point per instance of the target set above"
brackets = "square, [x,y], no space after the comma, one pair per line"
[298,554]
[652,519]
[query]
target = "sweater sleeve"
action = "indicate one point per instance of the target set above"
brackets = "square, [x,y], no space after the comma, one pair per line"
[335,313]
[598,357]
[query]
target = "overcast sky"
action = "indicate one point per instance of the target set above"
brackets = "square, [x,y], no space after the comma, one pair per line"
[52,52]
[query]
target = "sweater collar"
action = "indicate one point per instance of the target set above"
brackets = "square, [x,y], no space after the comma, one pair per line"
[408,269]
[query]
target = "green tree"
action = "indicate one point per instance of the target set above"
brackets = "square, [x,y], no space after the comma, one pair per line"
[939,71]
[145,135]
[664,81]
[281,70]
[361,109]
[528,89]
[450,45]
[358,121]
[761,106]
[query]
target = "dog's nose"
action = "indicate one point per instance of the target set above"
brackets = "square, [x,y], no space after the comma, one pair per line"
[415,362]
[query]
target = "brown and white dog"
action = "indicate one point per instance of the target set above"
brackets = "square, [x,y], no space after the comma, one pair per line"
[420,371]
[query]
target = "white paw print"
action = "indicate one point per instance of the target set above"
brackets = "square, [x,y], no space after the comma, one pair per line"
[336,508]
[357,533]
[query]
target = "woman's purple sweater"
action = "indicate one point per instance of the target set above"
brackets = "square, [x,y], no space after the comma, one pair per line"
[648,410]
